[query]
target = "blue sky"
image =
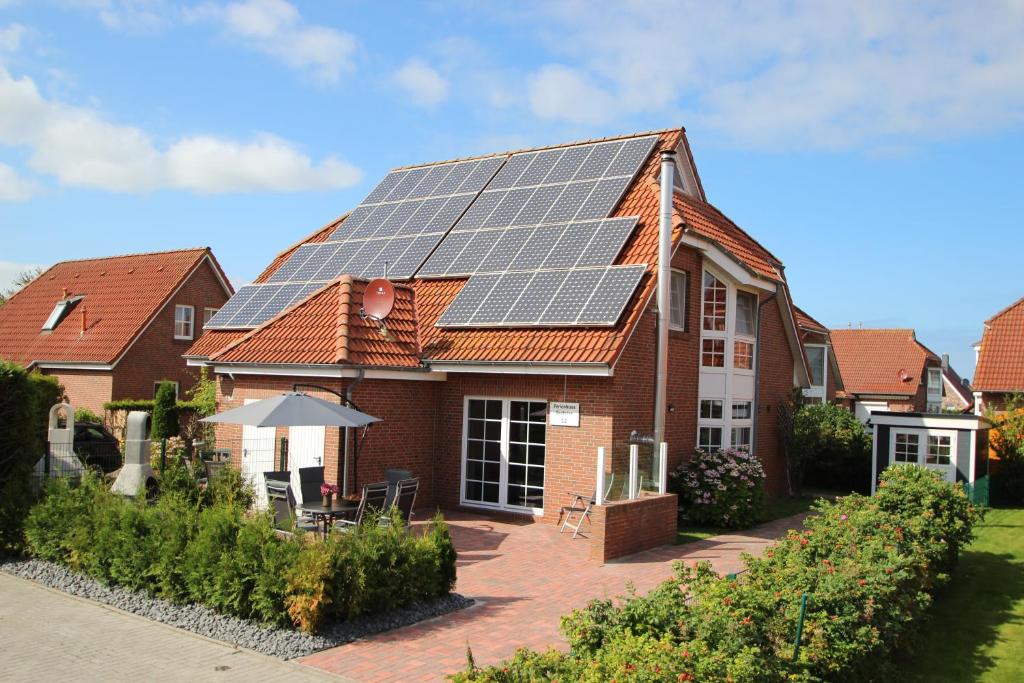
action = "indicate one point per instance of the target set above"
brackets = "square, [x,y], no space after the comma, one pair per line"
[875,149]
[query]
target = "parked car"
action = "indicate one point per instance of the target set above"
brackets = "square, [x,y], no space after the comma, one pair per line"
[97,447]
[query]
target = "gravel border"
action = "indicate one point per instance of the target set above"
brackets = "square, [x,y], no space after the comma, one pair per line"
[278,642]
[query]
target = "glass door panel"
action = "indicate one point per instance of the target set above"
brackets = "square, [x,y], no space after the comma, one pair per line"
[526,439]
[483,451]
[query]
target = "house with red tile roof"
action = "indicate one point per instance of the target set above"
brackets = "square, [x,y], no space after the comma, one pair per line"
[526,331]
[112,328]
[825,378]
[887,370]
[1000,368]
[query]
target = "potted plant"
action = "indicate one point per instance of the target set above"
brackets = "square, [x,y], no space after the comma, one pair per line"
[328,491]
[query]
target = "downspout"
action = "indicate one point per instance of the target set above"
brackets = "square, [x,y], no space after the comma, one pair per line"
[757,372]
[668,168]
[348,399]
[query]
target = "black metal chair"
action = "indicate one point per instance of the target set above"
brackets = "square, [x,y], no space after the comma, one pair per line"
[405,499]
[393,477]
[310,479]
[372,500]
[282,502]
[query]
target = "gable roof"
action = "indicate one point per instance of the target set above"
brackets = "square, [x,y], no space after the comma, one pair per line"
[872,360]
[111,325]
[585,345]
[1001,358]
[956,384]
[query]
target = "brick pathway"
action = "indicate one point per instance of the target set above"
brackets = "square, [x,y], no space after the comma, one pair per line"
[524,577]
[52,636]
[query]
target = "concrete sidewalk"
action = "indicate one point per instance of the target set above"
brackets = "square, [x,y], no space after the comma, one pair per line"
[49,635]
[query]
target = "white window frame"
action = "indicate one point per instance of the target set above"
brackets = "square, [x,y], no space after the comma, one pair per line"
[708,446]
[819,391]
[208,313]
[934,389]
[948,471]
[733,440]
[191,321]
[506,413]
[177,388]
[677,300]
[735,336]
[896,433]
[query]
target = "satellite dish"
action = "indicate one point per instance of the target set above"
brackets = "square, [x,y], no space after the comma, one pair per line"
[379,298]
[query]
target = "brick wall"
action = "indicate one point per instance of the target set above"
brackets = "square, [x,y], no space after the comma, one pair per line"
[404,440]
[85,388]
[775,382]
[630,526]
[156,354]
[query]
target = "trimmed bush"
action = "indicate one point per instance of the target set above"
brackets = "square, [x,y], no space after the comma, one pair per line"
[202,546]
[721,488]
[165,412]
[868,565]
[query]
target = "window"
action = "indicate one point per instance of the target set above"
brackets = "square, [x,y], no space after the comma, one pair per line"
[209,313]
[709,438]
[906,447]
[505,453]
[59,312]
[743,355]
[710,409]
[156,387]
[712,353]
[746,314]
[184,319]
[741,438]
[934,390]
[939,450]
[677,300]
[715,295]
[816,358]
[742,410]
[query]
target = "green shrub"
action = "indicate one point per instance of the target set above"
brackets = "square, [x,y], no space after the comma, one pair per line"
[721,488]
[86,415]
[165,414]
[204,557]
[227,486]
[833,449]
[868,565]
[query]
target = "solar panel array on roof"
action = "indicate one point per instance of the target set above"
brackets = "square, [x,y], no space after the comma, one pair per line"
[253,305]
[576,296]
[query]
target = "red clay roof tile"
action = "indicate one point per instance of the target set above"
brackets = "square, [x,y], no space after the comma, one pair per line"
[111,324]
[1001,359]
[872,361]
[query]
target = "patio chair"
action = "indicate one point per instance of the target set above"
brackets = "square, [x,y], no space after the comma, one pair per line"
[581,505]
[405,499]
[372,499]
[282,502]
[393,477]
[310,479]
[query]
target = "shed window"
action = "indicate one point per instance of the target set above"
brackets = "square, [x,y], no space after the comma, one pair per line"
[939,450]
[906,447]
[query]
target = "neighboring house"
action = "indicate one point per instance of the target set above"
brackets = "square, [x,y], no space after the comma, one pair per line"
[887,370]
[825,380]
[1000,367]
[525,330]
[111,328]
[957,395]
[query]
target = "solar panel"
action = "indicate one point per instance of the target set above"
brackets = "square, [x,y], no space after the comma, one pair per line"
[578,296]
[445,254]
[541,242]
[294,262]
[505,254]
[252,308]
[222,317]
[606,242]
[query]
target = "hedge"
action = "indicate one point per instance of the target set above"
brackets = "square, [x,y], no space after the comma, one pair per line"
[868,565]
[201,546]
[25,402]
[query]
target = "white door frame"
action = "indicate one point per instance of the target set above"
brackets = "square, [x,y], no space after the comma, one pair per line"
[253,474]
[948,472]
[305,449]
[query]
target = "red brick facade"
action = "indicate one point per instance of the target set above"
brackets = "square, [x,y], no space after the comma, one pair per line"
[88,389]
[629,526]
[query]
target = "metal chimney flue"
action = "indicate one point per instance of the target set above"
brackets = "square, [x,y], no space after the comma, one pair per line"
[668,171]
[136,474]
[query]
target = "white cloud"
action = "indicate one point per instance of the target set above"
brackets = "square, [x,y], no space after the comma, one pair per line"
[275,28]
[10,270]
[561,92]
[421,83]
[781,73]
[13,188]
[130,16]
[10,37]
[78,147]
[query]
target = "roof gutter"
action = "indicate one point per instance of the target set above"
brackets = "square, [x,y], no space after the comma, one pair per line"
[523,367]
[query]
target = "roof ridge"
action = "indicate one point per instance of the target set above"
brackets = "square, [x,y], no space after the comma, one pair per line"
[608,138]
[873,329]
[1005,310]
[344,312]
[132,255]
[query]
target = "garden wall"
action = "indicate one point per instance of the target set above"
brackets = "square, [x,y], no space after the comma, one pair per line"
[625,527]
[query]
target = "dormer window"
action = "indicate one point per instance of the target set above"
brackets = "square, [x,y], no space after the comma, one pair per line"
[60,311]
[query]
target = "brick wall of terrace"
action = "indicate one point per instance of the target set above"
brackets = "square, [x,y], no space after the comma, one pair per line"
[626,527]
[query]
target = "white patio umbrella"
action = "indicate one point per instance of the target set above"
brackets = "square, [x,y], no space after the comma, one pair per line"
[293,409]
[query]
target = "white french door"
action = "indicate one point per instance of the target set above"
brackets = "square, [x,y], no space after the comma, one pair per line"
[503,453]
[305,449]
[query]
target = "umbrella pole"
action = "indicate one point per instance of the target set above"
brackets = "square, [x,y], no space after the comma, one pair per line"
[342,448]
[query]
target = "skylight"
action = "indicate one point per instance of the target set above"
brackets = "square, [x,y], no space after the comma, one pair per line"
[60,311]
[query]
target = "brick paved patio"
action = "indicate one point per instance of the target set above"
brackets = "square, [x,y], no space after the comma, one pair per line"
[524,576]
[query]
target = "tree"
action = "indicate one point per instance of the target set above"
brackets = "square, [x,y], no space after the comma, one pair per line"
[20,280]
[833,448]
[1007,440]
[165,412]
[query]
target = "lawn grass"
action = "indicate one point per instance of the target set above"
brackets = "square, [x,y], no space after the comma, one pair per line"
[774,508]
[976,630]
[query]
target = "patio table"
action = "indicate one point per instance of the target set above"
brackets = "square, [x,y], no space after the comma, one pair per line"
[325,515]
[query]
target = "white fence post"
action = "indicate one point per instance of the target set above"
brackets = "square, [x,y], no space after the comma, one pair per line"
[599,487]
[634,466]
[663,467]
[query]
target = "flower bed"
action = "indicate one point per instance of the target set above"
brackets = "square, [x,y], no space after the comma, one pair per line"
[867,565]
[723,489]
[195,546]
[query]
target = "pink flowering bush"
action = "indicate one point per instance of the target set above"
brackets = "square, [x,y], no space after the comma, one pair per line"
[721,488]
